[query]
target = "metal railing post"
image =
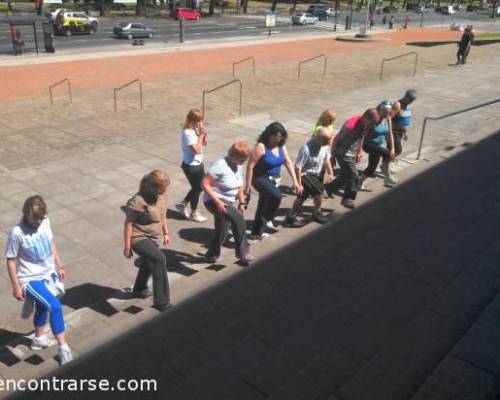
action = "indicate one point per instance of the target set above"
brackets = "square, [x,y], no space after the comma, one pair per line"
[488,103]
[312,59]
[241,61]
[57,84]
[205,92]
[116,90]
[397,57]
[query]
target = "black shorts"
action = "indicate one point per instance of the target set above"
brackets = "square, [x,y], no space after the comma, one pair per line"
[312,186]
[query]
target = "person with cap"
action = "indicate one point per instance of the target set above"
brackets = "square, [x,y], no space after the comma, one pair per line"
[347,152]
[401,119]
[264,174]
[313,156]
[379,143]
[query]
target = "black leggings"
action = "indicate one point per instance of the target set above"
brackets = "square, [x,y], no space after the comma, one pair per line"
[194,174]
[375,153]
[153,262]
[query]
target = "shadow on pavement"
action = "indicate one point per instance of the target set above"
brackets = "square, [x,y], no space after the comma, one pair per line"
[366,307]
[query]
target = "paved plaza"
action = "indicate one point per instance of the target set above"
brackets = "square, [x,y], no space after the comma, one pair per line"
[395,300]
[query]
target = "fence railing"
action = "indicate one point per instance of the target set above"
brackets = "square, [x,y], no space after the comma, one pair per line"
[116,90]
[205,92]
[312,59]
[242,61]
[488,103]
[395,58]
[57,84]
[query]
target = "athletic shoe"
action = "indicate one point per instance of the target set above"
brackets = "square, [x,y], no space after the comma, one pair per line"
[327,194]
[40,342]
[65,355]
[246,258]
[143,294]
[319,218]
[390,180]
[270,225]
[256,236]
[291,220]
[348,203]
[182,208]
[197,217]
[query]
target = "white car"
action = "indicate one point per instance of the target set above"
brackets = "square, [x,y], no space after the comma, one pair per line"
[304,18]
[64,14]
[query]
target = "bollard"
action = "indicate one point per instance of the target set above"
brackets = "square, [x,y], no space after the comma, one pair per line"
[347,22]
[181,30]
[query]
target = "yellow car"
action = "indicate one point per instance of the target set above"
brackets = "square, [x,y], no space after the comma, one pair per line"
[69,23]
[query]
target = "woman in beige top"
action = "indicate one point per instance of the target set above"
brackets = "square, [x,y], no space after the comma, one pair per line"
[145,229]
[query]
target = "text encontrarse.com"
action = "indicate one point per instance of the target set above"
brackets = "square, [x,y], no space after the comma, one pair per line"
[73,385]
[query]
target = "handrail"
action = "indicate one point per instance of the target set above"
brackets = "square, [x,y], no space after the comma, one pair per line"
[312,59]
[205,92]
[58,83]
[488,103]
[123,87]
[245,59]
[395,58]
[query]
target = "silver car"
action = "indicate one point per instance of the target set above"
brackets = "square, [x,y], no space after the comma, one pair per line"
[304,18]
[132,30]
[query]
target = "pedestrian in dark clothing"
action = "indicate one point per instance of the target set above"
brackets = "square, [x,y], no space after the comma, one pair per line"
[464,46]
[401,119]
[384,20]
[391,22]
[347,151]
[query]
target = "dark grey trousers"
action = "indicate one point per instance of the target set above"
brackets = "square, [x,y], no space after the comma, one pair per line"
[153,263]
[232,217]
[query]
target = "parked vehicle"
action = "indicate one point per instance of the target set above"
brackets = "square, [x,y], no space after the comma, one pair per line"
[389,9]
[132,30]
[447,10]
[304,18]
[69,23]
[321,11]
[422,10]
[187,13]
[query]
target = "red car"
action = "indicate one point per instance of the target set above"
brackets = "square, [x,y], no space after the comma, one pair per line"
[187,14]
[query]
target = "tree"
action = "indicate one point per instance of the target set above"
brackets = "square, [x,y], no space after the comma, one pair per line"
[495,6]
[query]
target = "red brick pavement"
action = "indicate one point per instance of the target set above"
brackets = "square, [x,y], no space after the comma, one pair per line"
[19,82]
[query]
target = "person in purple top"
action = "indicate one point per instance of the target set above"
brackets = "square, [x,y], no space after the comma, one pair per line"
[264,174]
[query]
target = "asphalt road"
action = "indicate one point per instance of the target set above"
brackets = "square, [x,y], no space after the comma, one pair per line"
[225,28]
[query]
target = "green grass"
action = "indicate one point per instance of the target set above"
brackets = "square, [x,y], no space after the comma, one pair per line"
[488,35]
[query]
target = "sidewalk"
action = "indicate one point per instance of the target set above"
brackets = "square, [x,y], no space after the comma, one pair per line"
[22,81]
[87,160]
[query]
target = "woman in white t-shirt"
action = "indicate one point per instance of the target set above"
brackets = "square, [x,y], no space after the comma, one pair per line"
[193,138]
[223,185]
[32,260]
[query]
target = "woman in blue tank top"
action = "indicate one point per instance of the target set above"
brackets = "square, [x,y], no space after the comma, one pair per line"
[264,172]
[379,144]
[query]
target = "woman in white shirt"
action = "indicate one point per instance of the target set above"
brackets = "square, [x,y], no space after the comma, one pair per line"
[223,185]
[193,138]
[32,259]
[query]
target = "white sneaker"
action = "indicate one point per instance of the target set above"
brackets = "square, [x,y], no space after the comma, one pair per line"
[271,226]
[197,217]
[40,342]
[183,209]
[65,355]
